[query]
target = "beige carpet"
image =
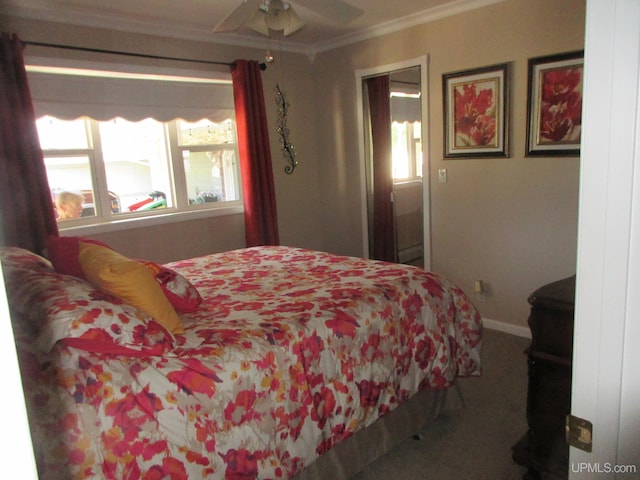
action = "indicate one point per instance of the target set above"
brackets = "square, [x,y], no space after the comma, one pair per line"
[472,443]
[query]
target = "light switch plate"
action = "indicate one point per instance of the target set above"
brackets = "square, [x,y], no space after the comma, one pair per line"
[442,175]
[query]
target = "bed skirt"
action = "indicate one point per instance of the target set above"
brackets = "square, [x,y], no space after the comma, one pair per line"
[348,458]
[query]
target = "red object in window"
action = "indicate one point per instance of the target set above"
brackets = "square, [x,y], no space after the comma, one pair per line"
[136,206]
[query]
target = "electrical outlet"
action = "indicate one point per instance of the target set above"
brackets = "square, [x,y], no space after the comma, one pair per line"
[481,290]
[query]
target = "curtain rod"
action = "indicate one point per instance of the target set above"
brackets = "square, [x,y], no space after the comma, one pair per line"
[263,66]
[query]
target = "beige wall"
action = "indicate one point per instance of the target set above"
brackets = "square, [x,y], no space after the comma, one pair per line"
[511,222]
[299,211]
[165,243]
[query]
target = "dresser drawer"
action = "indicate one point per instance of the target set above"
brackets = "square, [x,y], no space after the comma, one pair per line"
[543,448]
[548,403]
[551,318]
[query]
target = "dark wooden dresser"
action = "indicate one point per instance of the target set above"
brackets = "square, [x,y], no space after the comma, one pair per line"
[543,449]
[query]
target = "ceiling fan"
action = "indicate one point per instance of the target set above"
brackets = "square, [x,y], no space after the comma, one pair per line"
[263,16]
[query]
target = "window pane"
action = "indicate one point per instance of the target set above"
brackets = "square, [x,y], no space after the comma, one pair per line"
[136,163]
[417,138]
[406,150]
[58,134]
[71,187]
[205,132]
[399,151]
[211,176]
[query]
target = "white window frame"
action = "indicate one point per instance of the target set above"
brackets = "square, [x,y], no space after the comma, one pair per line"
[411,144]
[179,175]
[181,211]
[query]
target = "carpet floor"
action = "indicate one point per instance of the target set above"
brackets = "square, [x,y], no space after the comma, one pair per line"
[473,442]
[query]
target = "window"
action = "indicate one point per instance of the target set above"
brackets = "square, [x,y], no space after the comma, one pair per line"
[125,169]
[406,147]
[122,146]
[208,152]
[406,128]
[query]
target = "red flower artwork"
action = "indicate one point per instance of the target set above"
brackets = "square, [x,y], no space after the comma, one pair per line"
[475,114]
[560,105]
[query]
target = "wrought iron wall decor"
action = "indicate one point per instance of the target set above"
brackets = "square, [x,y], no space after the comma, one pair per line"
[288,150]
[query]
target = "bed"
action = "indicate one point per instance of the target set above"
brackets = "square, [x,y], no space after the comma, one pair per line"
[283,361]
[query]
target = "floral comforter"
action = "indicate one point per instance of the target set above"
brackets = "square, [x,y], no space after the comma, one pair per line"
[290,352]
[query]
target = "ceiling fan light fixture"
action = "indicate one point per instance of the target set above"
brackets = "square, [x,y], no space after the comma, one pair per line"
[258,23]
[291,22]
[275,15]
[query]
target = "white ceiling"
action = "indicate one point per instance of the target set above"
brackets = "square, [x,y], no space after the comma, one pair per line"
[194,19]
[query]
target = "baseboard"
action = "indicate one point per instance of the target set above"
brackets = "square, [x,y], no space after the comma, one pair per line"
[507,328]
[406,255]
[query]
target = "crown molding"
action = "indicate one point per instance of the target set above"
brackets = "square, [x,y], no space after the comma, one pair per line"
[22,9]
[419,18]
[37,11]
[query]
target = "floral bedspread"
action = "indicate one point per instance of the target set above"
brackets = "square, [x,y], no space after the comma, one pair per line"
[290,352]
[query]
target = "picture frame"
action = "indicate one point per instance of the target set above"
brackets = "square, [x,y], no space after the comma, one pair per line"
[476,105]
[554,104]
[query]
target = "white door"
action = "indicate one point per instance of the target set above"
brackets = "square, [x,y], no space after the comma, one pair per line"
[606,382]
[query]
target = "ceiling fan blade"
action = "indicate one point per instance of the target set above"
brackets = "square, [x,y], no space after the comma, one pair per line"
[336,10]
[237,17]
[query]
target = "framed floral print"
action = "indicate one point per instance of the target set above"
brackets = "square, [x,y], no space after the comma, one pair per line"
[475,112]
[555,104]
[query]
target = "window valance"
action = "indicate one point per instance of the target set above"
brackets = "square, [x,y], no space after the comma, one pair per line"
[406,109]
[110,92]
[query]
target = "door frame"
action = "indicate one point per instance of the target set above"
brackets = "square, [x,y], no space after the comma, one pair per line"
[361,74]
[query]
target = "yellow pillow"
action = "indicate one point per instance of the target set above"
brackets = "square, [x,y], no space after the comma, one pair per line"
[129,280]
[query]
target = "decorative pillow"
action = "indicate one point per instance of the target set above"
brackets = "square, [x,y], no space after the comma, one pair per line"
[59,307]
[20,258]
[64,251]
[21,270]
[130,281]
[179,291]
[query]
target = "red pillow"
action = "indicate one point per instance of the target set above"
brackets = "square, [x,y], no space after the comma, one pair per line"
[63,252]
[179,291]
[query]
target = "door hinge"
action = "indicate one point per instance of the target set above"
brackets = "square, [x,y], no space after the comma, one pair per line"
[579,433]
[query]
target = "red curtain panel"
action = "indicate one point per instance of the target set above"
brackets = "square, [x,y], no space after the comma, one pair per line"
[26,208]
[258,190]
[384,241]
